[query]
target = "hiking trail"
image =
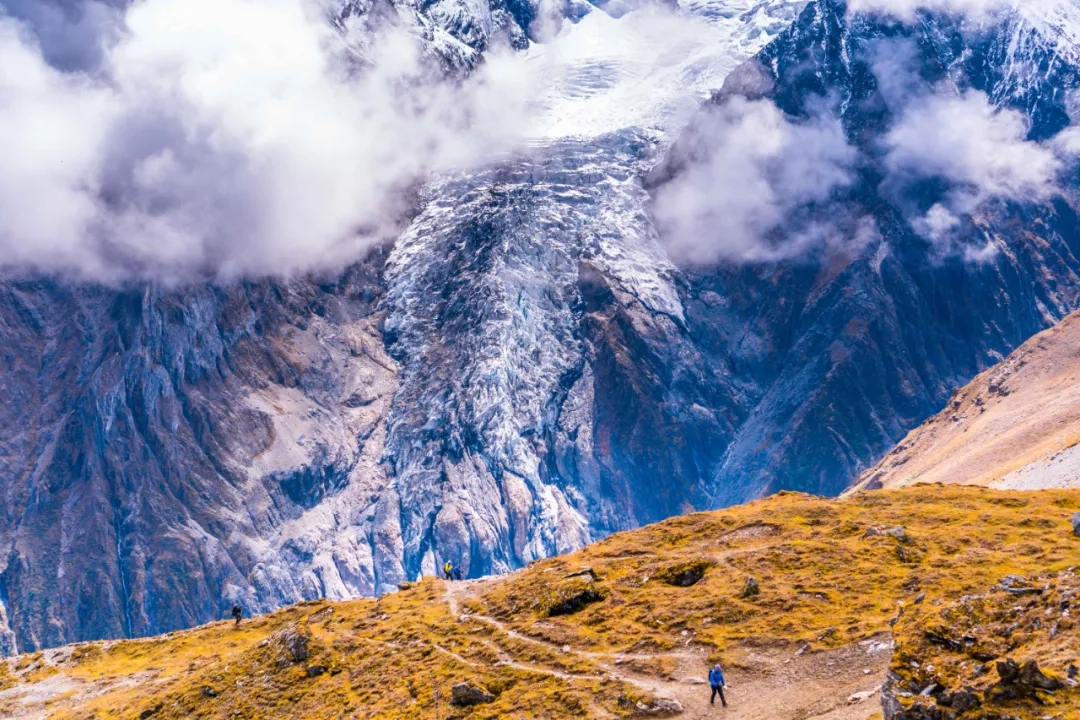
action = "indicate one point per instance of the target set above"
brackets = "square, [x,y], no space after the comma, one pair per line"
[770,684]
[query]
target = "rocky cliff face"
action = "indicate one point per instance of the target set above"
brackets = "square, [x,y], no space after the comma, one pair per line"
[165,450]
[523,371]
[1015,426]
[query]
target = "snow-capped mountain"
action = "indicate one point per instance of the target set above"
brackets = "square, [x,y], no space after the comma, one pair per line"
[525,369]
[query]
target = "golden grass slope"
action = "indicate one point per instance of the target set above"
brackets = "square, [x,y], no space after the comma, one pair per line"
[831,576]
[1016,425]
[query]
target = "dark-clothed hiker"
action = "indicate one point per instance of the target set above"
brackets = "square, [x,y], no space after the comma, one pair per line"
[716,680]
[237,611]
[457,572]
[448,569]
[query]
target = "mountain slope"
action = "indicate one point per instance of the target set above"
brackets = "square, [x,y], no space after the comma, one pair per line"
[1014,426]
[813,642]
[525,370]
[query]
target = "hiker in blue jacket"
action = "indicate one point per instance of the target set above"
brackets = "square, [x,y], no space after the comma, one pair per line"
[716,680]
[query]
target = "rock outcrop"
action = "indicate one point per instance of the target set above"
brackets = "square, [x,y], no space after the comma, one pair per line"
[986,655]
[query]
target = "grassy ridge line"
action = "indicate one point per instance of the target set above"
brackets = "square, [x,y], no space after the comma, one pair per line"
[824,580]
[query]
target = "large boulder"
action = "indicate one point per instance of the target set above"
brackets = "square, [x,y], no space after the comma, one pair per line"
[1018,680]
[1076,524]
[290,645]
[466,695]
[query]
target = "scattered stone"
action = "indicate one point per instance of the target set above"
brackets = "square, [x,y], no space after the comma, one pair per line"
[315,670]
[149,712]
[465,695]
[919,598]
[943,641]
[404,586]
[856,698]
[918,711]
[208,692]
[904,555]
[1072,672]
[750,589]
[959,701]
[1076,524]
[1017,586]
[897,532]
[660,708]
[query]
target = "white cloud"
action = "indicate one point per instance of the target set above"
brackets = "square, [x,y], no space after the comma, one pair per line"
[52,128]
[226,138]
[983,153]
[751,169]
[965,139]
[907,10]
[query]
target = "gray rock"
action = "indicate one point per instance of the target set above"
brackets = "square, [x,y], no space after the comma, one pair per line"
[750,588]
[291,645]
[1076,524]
[660,708]
[960,700]
[575,603]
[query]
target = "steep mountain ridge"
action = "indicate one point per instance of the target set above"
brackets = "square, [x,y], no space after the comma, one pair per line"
[169,451]
[1014,426]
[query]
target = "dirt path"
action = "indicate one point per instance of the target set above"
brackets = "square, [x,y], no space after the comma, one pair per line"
[773,684]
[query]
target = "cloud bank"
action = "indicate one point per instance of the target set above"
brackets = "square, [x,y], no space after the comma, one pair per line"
[908,10]
[753,169]
[982,152]
[191,139]
[764,187]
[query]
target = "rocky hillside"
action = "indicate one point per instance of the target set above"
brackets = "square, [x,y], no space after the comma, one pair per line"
[1016,425]
[797,596]
[1011,651]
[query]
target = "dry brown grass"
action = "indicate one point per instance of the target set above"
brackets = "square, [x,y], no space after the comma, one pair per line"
[823,581]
